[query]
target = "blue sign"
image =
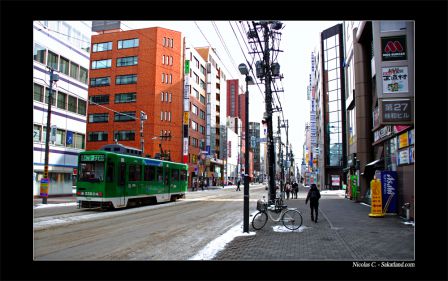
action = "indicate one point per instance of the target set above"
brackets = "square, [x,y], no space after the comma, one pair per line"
[389,190]
[207,147]
[69,137]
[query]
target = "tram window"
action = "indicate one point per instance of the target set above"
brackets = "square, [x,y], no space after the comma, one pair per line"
[183,175]
[134,172]
[174,175]
[159,174]
[91,171]
[149,173]
[122,173]
[110,171]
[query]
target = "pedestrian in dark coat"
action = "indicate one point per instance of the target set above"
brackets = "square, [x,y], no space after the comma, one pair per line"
[313,196]
[288,190]
[295,189]
[238,185]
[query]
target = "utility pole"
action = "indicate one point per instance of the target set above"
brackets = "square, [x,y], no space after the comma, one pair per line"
[45,180]
[287,152]
[268,102]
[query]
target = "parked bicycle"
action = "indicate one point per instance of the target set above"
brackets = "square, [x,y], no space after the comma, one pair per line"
[290,217]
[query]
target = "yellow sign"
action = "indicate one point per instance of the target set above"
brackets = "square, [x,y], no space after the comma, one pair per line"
[404,140]
[186,117]
[377,204]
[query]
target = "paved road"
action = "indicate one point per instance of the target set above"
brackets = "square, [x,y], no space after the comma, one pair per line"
[172,231]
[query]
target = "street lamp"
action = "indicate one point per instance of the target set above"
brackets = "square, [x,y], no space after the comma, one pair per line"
[249,81]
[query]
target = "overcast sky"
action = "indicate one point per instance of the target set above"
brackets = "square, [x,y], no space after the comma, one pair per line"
[299,38]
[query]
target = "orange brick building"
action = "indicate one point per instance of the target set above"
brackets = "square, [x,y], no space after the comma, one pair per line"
[132,72]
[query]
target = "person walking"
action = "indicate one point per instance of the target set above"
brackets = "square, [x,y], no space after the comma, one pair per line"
[238,185]
[313,196]
[194,185]
[295,190]
[288,190]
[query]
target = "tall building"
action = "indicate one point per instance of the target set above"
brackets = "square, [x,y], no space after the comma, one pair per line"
[195,82]
[64,46]
[136,74]
[332,107]
[380,109]
[216,113]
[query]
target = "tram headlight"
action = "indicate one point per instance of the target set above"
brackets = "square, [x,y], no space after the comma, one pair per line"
[100,194]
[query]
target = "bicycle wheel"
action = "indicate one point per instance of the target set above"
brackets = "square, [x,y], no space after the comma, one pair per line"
[259,220]
[292,219]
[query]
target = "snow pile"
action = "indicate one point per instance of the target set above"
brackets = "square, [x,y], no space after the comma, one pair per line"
[282,228]
[215,246]
[41,206]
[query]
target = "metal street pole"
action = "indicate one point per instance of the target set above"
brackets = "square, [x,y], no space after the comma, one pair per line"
[44,184]
[243,69]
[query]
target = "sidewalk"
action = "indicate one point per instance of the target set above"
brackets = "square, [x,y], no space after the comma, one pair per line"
[343,232]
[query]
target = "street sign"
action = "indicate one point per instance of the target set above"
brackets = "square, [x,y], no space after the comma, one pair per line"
[44,187]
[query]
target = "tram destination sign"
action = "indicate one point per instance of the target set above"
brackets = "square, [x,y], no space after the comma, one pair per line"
[92,158]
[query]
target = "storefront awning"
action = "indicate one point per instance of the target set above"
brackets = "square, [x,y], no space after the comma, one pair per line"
[374,164]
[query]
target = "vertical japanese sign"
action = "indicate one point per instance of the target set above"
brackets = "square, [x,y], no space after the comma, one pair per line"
[186,110]
[395,79]
[354,186]
[377,205]
[389,191]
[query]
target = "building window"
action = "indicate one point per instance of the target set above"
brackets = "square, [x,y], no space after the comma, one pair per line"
[202,115]
[169,116]
[161,96]
[171,60]
[124,116]
[194,126]
[99,64]
[161,116]
[60,137]
[124,135]
[166,79]
[82,107]
[164,41]
[99,81]
[62,100]
[83,75]
[72,104]
[203,71]
[38,92]
[101,47]
[126,79]
[37,133]
[196,62]
[52,60]
[53,96]
[196,93]
[39,53]
[171,79]
[127,61]
[194,109]
[196,78]
[166,96]
[99,118]
[171,97]
[74,70]
[202,129]
[125,97]
[203,85]
[64,65]
[130,43]
[202,98]
[100,99]
[163,59]
[163,77]
[97,136]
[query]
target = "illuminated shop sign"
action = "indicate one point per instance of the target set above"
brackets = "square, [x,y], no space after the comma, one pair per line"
[393,48]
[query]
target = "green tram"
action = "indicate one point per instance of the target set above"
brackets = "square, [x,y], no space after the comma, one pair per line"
[110,179]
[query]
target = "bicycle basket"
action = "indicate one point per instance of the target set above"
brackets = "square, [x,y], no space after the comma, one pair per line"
[261,206]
